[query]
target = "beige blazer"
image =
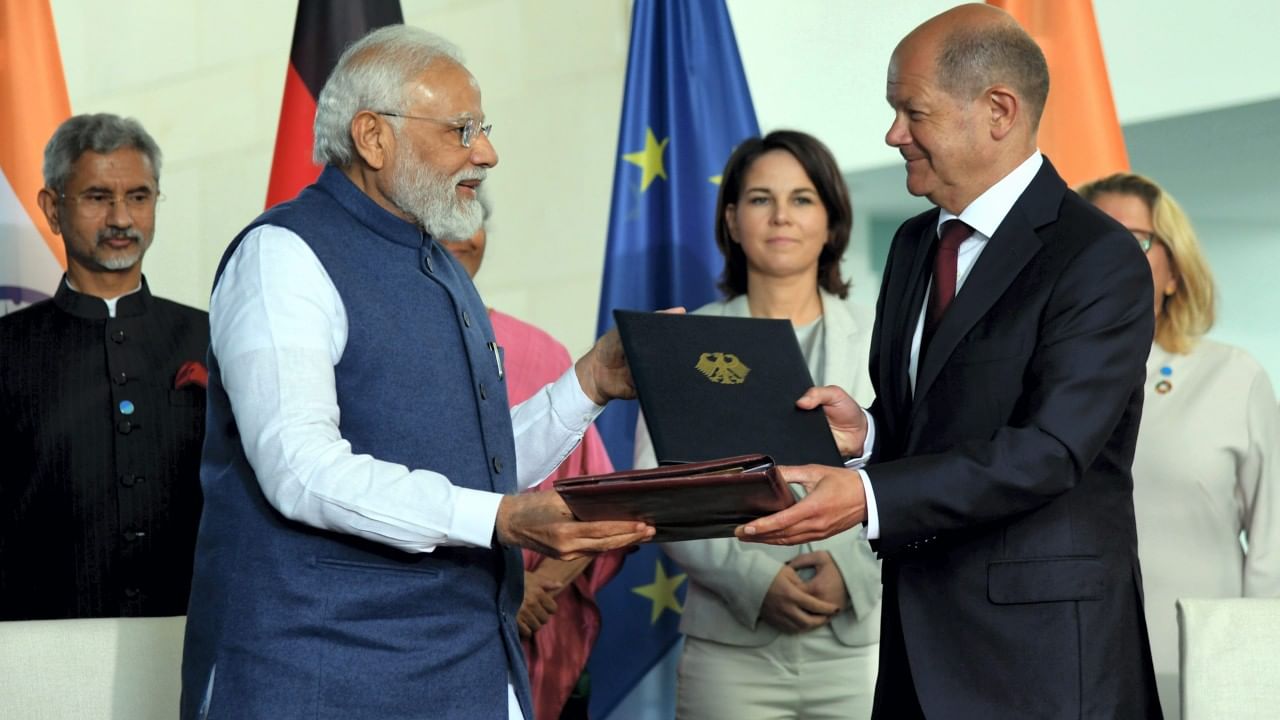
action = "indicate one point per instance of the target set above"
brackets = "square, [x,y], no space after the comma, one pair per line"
[728,579]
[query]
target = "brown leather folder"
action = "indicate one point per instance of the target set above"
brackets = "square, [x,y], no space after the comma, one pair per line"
[684,502]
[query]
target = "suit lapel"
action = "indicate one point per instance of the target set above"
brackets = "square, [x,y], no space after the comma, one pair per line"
[1007,253]
[907,313]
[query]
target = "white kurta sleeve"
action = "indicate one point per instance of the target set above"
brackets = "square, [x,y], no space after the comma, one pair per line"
[278,329]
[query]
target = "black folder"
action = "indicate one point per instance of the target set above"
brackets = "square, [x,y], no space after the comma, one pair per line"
[715,387]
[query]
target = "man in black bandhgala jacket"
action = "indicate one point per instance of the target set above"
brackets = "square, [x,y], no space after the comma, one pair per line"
[101,400]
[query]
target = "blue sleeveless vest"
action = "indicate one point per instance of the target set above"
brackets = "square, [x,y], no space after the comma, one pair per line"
[291,621]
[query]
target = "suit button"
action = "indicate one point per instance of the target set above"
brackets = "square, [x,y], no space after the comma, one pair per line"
[466,318]
[497,464]
[484,394]
[132,535]
[124,427]
[117,336]
[426,264]
[120,378]
[132,592]
[128,480]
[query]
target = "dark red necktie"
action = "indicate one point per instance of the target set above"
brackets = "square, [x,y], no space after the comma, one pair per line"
[943,291]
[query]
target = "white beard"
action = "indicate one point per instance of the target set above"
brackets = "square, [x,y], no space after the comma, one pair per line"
[432,199]
[105,258]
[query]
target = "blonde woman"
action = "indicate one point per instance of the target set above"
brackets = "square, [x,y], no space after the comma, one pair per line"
[1206,472]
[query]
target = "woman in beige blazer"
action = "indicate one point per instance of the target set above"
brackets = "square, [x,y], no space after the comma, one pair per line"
[775,631]
[1206,472]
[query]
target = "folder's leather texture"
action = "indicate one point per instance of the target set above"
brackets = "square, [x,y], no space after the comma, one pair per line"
[684,502]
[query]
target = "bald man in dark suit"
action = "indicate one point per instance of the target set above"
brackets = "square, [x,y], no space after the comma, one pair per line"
[1008,360]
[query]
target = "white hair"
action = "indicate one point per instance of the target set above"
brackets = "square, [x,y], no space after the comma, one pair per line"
[371,74]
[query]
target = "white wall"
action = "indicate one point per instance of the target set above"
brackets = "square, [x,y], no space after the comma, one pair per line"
[206,79]
[1243,256]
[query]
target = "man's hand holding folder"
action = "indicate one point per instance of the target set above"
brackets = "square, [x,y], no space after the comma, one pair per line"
[835,500]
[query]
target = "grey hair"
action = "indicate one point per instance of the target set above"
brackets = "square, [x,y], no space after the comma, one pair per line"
[372,74]
[972,59]
[101,133]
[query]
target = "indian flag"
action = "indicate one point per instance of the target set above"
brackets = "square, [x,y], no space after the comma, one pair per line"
[33,102]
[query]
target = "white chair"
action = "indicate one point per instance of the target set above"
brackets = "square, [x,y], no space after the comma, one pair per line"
[98,669]
[1230,658]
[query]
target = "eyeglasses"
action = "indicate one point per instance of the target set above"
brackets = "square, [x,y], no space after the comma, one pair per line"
[467,129]
[1145,239]
[96,204]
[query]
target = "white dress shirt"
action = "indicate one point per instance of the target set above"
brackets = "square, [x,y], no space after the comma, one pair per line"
[984,215]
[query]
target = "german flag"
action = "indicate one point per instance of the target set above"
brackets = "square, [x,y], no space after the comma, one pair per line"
[323,29]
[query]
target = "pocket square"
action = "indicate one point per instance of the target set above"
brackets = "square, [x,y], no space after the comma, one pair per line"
[191,373]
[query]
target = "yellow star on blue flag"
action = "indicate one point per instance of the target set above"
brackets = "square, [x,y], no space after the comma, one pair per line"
[685,107]
[662,592]
[649,159]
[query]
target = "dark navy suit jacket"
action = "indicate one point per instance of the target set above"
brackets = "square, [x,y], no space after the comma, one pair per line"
[1003,486]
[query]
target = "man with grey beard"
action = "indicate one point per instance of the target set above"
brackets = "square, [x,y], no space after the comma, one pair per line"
[359,554]
[101,400]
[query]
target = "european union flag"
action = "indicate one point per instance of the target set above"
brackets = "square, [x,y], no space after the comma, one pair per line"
[685,108]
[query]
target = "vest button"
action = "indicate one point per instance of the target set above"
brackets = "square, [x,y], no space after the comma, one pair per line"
[466,318]
[117,336]
[497,464]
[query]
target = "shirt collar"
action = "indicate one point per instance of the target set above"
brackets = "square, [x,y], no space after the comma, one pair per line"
[986,212]
[90,307]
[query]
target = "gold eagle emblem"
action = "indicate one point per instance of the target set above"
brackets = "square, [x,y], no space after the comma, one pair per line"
[722,368]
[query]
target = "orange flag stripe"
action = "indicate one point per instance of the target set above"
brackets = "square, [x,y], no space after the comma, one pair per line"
[33,102]
[1080,131]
